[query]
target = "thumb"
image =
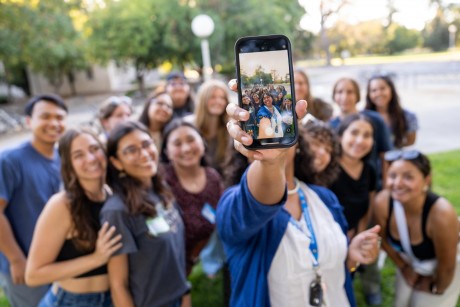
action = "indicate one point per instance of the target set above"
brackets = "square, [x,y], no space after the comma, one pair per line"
[375,229]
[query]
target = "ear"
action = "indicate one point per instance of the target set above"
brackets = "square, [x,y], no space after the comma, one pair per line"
[428,180]
[116,163]
[28,121]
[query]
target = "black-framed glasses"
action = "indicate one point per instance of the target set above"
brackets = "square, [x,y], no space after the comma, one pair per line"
[133,152]
[394,155]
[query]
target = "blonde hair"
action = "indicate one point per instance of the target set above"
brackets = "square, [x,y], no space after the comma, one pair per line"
[202,117]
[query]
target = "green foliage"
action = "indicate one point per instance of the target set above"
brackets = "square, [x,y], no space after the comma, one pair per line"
[400,38]
[436,33]
[206,291]
[43,36]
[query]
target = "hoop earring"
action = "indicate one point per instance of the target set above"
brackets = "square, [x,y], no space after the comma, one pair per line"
[425,189]
[121,174]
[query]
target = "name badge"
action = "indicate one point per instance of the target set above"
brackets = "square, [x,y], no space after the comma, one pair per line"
[209,213]
[157,225]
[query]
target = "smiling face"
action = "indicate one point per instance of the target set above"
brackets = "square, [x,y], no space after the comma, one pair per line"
[302,88]
[47,122]
[217,102]
[357,139]
[161,109]
[88,158]
[179,90]
[405,181]
[137,156]
[346,97]
[268,100]
[185,147]
[380,93]
[321,154]
[119,115]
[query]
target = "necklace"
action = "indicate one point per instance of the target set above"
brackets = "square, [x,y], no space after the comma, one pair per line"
[296,188]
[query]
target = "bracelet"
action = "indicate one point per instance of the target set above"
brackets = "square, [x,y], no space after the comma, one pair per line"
[354,268]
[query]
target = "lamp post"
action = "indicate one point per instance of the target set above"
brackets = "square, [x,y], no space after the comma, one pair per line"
[202,27]
[452,30]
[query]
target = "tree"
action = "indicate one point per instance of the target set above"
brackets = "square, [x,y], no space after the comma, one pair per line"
[436,33]
[41,34]
[400,38]
[237,18]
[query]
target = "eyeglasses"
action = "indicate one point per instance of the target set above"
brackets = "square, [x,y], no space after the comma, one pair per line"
[394,155]
[133,152]
[162,104]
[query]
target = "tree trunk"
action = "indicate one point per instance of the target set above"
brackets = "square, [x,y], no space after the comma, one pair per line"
[71,79]
[140,81]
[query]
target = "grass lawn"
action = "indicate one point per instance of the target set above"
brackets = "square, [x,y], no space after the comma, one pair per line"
[446,180]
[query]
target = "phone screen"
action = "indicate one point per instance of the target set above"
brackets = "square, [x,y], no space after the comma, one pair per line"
[265,83]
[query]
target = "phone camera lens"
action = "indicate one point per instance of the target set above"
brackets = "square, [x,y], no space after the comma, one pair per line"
[284,46]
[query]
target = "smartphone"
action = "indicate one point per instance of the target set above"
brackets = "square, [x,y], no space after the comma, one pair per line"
[266,90]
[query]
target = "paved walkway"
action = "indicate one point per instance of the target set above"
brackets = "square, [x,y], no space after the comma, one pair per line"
[433,94]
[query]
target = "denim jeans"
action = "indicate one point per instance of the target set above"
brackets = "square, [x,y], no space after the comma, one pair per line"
[68,299]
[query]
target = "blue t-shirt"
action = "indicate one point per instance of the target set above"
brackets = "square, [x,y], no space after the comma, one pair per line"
[27,181]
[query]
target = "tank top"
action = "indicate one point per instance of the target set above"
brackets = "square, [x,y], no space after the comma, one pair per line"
[424,250]
[70,251]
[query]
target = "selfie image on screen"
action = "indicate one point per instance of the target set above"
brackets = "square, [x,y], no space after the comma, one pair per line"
[266,94]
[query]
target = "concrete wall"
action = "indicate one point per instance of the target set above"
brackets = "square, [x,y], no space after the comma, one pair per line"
[96,80]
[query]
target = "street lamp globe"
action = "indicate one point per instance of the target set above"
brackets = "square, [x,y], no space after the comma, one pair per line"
[202,26]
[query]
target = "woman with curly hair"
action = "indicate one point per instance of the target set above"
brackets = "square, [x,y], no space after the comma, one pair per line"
[291,240]
[76,247]
[383,98]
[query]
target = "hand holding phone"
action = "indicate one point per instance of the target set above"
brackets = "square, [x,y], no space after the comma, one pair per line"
[266,90]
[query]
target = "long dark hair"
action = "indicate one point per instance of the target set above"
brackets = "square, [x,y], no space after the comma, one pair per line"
[84,225]
[130,189]
[347,121]
[304,157]
[397,118]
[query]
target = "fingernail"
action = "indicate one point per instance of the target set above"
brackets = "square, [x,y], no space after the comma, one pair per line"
[241,114]
[245,139]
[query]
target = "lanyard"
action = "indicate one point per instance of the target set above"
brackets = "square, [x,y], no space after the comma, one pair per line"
[313,244]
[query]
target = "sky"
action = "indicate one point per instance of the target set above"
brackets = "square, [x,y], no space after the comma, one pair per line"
[411,13]
[268,60]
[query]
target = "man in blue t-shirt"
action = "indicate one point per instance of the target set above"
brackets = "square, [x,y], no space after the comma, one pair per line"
[29,176]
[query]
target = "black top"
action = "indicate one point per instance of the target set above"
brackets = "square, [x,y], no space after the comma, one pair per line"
[424,250]
[70,251]
[353,194]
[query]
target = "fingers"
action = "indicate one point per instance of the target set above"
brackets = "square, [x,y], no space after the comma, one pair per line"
[251,154]
[238,134]
[237,113]
[375,229]
[103,229]
[301,109]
